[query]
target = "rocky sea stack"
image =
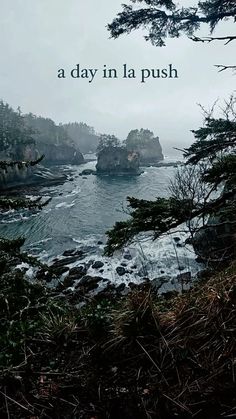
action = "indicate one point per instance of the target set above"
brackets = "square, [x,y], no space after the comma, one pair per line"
[146,145]
[118,160]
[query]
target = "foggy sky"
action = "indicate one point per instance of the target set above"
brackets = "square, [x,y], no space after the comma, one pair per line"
[40,37]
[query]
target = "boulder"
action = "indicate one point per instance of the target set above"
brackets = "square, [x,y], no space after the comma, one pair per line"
[73,252]
[78,271]
[89,283]
[127,256]
[98,264]
[120,270]
[87,172]
[65,261]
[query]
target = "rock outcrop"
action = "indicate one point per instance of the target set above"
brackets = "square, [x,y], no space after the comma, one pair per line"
[118,160]
[23,175]
[60,154]
[144,143]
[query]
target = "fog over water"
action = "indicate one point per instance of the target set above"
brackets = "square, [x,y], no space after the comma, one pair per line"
[40,37]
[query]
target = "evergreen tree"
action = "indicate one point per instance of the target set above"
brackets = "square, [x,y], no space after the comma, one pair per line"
[46,131]
[214,149]
[13,131]
[15,134]
[138,137]
[165,18]
[107,141]
[83,136]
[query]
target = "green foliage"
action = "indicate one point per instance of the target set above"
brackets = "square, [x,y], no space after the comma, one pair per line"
[138,137]
[222,170]
[58,323]
[164,18]
[27,311]
[13,131]
[106,141]
[97,317]
[217,135]
[137,316]
[214,153]
[46,131]
[7,204]
[83,136]
[159,216]
[20,303]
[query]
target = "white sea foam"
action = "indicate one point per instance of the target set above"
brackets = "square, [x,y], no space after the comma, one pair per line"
[163,258]
[65,205]
[73,193]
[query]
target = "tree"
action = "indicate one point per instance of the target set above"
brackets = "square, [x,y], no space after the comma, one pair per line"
[138,137]
[107,141]
[164,18]
[46,131]
[13,130]
[15,134]
[83,135]
[214,149]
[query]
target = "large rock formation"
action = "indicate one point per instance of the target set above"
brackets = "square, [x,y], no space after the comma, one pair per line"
[23,175]
[53,141]
[118,160]
[143,142]
[60,154]
[53,154]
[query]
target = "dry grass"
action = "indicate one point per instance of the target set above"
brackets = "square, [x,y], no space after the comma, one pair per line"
[155,359]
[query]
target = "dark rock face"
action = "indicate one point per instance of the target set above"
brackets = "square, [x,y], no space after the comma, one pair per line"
[22,175]
[78,271]
[87,172]
[146,145]
[29,176]
[118,160]
[150,153]
[60,154]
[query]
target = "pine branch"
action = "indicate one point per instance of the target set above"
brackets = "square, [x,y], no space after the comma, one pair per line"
[225,67]
[7,204]
[20,164]
[209,39]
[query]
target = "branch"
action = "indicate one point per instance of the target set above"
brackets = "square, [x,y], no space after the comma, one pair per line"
[209,39]
[20,164]
[225,67]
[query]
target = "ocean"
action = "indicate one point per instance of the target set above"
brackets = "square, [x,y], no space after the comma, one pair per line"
[85,207]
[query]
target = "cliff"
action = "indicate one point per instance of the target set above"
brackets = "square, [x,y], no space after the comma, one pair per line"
[150,152]
[23,175]
[118,160]
[143,142]
[53,141]
[60,154]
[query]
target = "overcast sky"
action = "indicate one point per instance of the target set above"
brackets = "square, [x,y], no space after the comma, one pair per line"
[40,37]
